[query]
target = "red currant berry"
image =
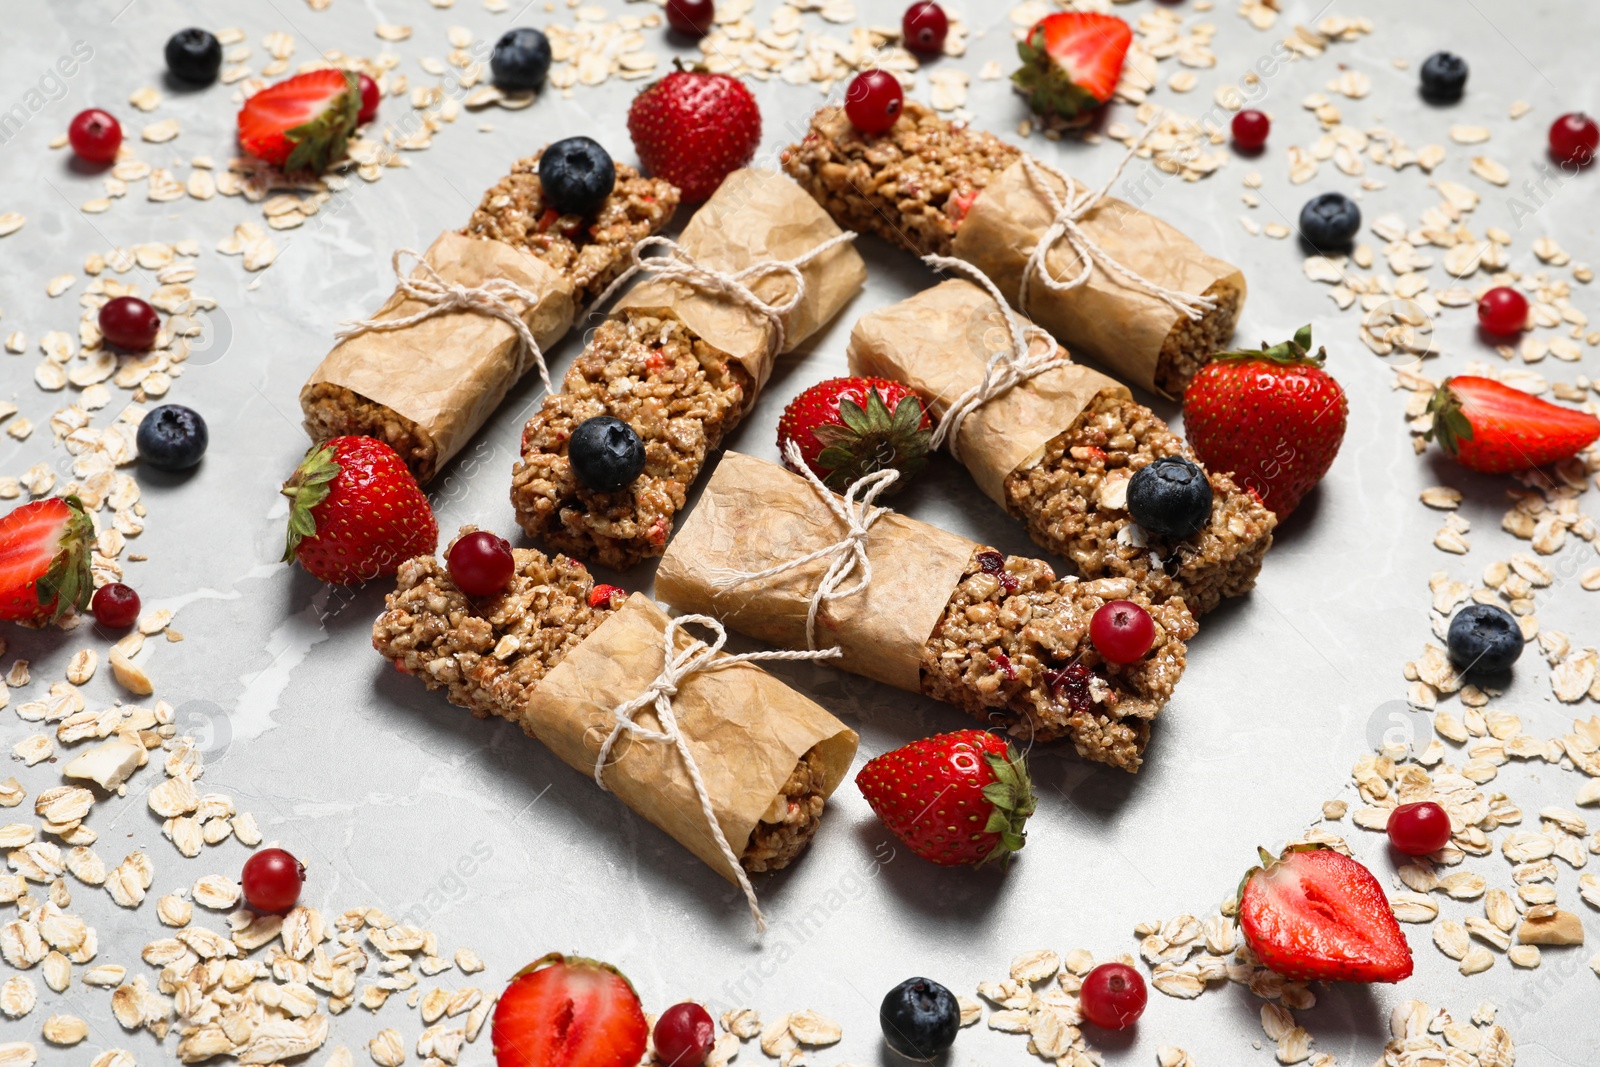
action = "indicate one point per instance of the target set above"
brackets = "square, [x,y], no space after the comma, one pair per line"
[130,323]
[95,136]
[481,563]
[1574,138]
[115,605]
[692,18]
[1113,996]
[369,99]
[873,101]
[1502,310]
[924,27]
[684,1035]
[1419,829]
[1250,129]
[602,596]
[271,880]
[1122,631]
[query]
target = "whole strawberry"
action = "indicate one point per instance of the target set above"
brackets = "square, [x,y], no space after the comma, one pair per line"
[1494,428]
[958,799]
[303,122]
[355,512]
[850,427]
[1071,62]
[1316,915]
[1272,418]
[694,128]
[45,548]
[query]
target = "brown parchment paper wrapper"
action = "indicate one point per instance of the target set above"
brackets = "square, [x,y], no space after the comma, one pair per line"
[449,372]
[1106,319]
[938,343]
[746,730]
[754,515]
[756,215]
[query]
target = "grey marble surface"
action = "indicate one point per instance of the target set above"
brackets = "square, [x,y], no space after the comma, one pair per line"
[396,799]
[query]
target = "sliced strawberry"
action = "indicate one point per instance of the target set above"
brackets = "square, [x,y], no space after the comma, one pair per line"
[44,560]
[1071,61]
[303,122]
[569,1012]
[1494,428]
[1318,915]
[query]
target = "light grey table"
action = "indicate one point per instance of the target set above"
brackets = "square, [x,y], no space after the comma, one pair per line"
[396,799]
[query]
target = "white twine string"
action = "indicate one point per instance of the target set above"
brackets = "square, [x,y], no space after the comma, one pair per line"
[697,656]
[1010,366]
[846,556]
[440,296]
[1068,213]
[679,265]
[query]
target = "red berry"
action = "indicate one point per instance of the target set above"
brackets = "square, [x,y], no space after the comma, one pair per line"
[95,136]
[115,605]
[1113,996]
[692,18]
[271,880]
[873,101]
[481,563]
[1419,829]
[1574,138]
[130,323]
[1503,310]
[1122,631]
[684,1035]
[1250,129]
[369,99]
[602,595]
[924,27]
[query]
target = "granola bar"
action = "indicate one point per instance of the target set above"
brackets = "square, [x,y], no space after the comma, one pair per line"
[679,395]
[1072,504]
[918,183]
[490,655]
[999,637]
[681,364]
[1012,649]
[585,254]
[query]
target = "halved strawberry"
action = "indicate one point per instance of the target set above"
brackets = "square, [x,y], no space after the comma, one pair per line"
[1494,428]
[44,560]
[1318,915]
[1071,61]
[303,122]
[566,1011]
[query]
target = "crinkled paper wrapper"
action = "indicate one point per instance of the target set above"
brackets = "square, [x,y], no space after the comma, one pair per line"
[754,515]
[449,372]
[938,342]
[756,215]
[1118,325]
[746,730]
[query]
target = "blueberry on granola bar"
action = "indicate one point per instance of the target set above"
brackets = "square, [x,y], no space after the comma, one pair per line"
[577,175]
[1171,497]
[606,453]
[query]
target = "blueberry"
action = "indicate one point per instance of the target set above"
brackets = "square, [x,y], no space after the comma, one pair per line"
[1444,78]
[521,59]
[605,454]
[920,1019]
[194,56]
[172,438]
[1170,497]
[577,175]
[1484,639]
[1330,221]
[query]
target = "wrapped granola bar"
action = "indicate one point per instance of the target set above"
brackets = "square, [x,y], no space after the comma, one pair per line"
[935,186]
[999,637]
[540,655]
[1058,450]
[426,387]
[681,359]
